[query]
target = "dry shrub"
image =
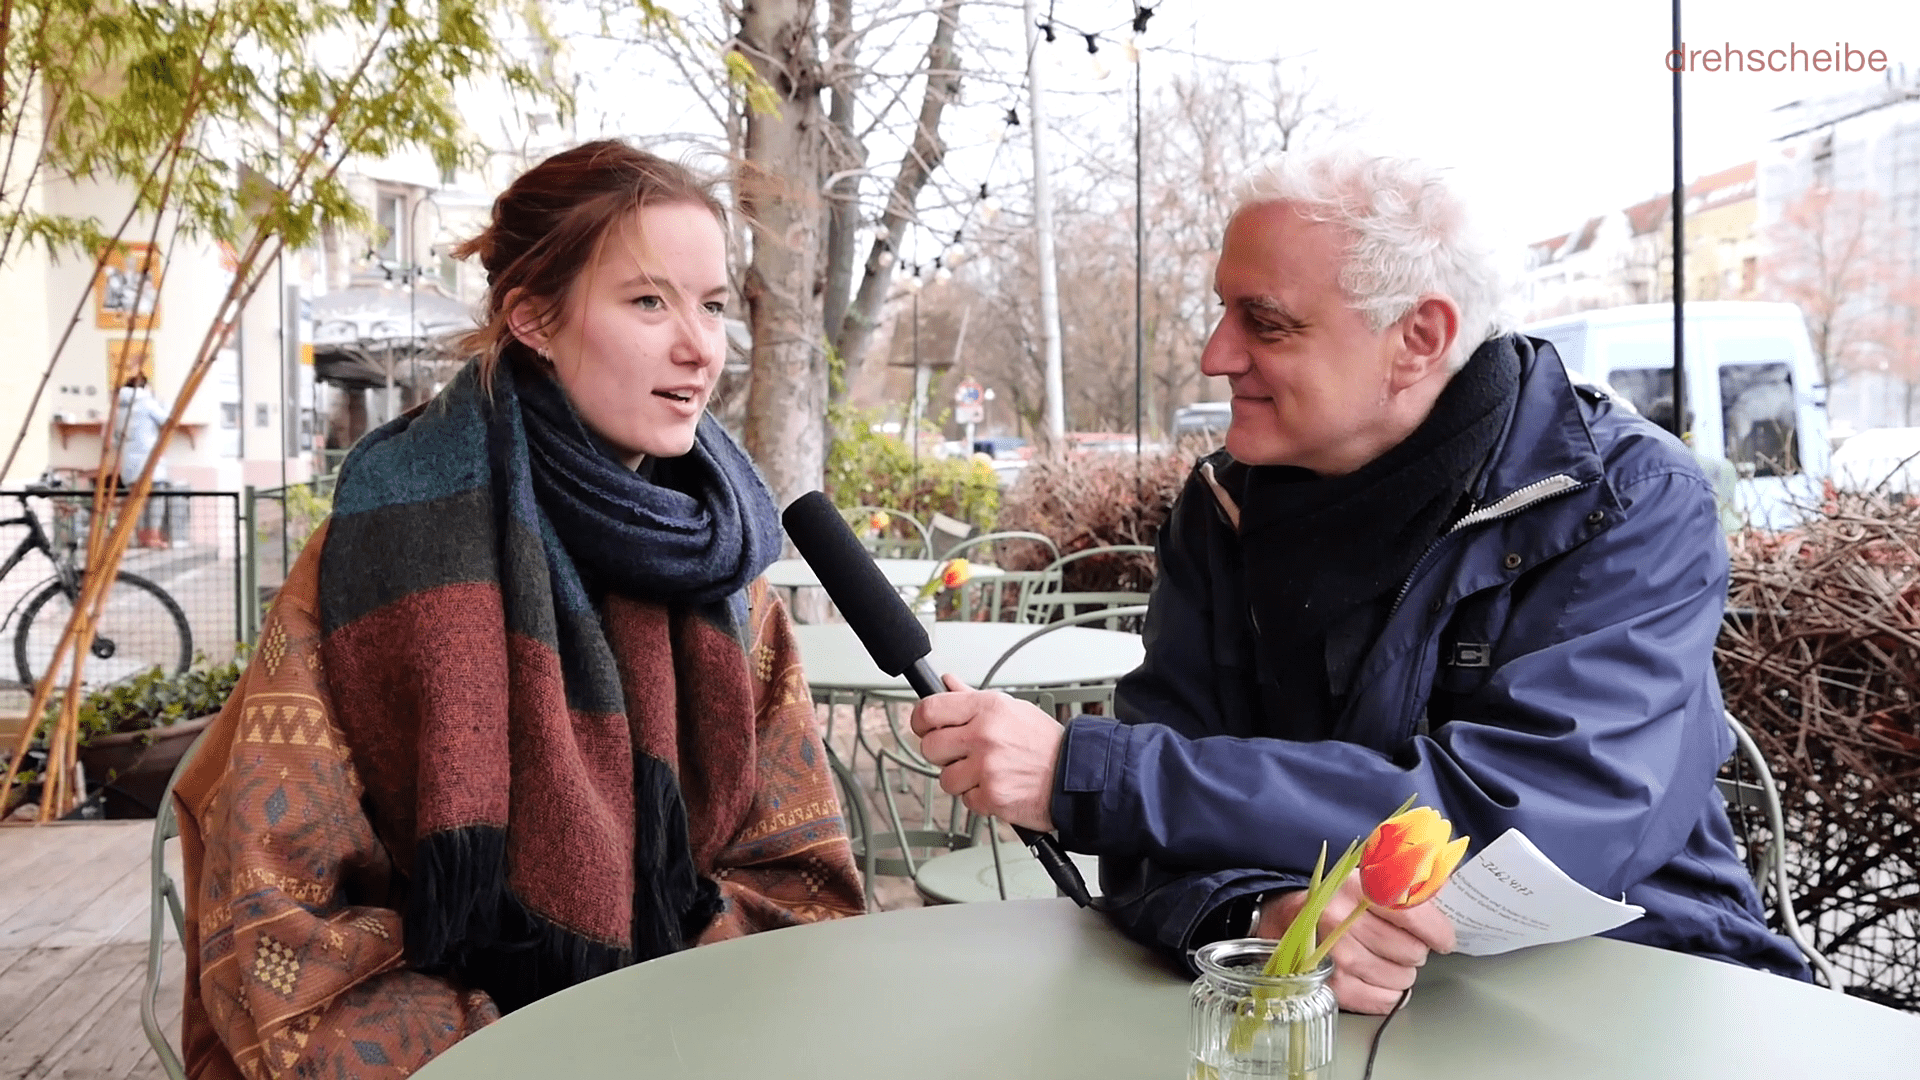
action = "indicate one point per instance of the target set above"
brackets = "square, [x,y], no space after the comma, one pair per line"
[1821,658]
[1095,499]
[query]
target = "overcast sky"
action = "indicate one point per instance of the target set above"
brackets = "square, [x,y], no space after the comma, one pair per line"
[1549,112]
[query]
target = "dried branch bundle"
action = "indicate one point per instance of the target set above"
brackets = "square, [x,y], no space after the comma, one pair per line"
[1086,500]
[1821,658]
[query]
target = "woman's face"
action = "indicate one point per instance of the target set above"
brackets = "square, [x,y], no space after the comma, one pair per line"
[641,342]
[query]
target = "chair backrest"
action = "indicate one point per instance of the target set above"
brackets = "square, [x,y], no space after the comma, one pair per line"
[1763,795]
[165,900]
[1000,596]
[1049,599]
[944,532]
[990,541]
[1055,627]
[1066,702]
[902,537]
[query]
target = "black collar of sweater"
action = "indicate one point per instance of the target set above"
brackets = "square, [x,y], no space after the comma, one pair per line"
[1323,556]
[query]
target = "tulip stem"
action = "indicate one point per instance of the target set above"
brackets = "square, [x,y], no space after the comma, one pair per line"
[1326,945]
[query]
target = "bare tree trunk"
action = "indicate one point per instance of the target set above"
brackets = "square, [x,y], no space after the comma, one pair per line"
[779,184]
[849,157]
[855,332]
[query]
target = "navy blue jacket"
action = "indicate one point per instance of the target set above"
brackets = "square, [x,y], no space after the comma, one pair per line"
[1548,667]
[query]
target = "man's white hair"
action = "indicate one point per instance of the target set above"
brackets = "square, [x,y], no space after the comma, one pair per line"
[1411,235]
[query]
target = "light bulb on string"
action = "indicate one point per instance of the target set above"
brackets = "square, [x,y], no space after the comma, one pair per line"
[1095,67]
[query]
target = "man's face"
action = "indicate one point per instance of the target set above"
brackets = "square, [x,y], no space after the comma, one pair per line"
[1310,379]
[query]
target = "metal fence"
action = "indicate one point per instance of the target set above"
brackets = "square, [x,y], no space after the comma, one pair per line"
[178,594]
[282,519]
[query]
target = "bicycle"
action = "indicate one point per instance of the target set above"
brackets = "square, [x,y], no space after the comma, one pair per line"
[141,626]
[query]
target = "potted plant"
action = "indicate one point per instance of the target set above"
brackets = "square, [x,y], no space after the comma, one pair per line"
[133,733]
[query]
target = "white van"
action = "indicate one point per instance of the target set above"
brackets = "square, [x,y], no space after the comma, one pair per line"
[1754,395]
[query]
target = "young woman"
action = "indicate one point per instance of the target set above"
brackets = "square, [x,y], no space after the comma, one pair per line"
[522,713]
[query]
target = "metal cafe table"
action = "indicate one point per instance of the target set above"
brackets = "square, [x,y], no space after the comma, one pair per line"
[836,663]
[900,573]
[835,660]
[1040,989]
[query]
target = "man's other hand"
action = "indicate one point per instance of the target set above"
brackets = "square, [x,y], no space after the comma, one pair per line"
[996,754]
[1380,956]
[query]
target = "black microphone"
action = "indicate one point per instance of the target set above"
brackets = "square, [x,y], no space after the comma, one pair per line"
[891,635]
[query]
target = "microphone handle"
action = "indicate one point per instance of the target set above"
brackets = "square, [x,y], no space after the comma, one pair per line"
[1045,847]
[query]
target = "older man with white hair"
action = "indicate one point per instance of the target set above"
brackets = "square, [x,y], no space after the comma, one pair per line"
[1424,563]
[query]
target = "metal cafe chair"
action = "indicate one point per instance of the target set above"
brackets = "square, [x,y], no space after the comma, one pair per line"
[1048,600]
[903,538]
[997,597]
[164,901]
[958,877]
[1762,795]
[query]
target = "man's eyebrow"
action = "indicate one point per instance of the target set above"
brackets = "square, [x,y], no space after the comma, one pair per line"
[1270,309]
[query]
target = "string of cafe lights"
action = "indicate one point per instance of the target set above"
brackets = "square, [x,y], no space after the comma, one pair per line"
[984,202]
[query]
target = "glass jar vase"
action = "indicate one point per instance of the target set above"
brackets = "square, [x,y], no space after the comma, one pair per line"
[1250,1026]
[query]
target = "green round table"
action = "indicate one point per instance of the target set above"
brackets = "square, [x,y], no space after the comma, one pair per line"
[1039,989]
[834,659]
[900,573]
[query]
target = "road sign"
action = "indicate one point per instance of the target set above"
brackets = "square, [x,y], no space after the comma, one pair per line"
[968,392]
[969,414]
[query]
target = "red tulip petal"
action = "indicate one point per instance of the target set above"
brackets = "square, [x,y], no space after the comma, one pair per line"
[1387,881]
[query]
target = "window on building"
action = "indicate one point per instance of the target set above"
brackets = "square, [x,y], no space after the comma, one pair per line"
[261,415]
[230,414]
[390,215]
[1749,274]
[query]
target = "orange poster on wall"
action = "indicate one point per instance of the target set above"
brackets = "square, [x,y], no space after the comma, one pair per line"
[125,357]
[126,295]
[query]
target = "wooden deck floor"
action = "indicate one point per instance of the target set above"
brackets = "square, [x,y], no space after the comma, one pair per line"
[73,951]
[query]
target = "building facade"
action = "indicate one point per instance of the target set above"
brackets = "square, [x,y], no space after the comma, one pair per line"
[1862,148]
[1625,256]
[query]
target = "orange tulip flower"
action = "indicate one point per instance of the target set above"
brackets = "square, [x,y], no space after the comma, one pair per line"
[1402,864]
[948,575]
[879,521]
[1408,857]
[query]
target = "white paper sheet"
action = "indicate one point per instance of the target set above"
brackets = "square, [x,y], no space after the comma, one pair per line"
[1511,896]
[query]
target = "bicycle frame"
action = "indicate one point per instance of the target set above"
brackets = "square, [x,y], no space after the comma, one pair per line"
[35,540]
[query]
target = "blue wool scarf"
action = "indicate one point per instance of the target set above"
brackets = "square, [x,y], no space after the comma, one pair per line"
[694,529]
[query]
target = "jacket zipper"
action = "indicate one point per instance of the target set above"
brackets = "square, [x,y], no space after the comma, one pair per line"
[1512,503]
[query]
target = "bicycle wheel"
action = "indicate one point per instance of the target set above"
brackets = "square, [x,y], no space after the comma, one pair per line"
[140,628]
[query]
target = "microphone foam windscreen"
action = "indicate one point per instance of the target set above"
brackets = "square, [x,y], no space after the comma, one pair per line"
[871,606]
